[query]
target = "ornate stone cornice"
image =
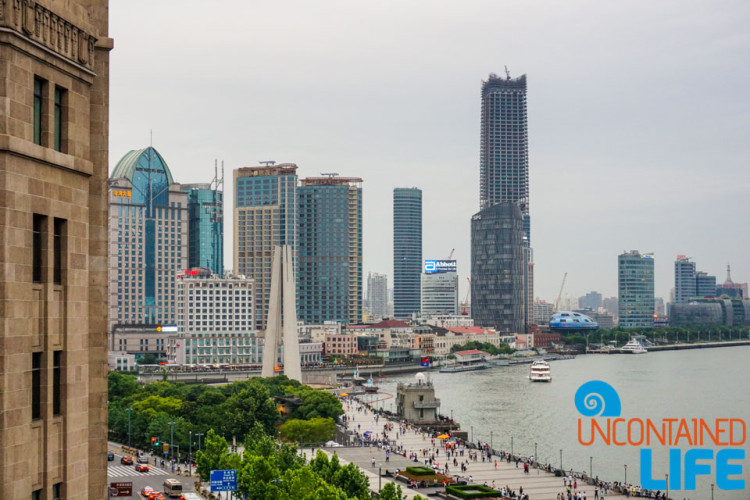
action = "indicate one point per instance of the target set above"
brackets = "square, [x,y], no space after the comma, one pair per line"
[40,24]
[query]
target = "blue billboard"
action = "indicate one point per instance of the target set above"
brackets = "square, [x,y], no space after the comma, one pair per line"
[224,480]
[439,266]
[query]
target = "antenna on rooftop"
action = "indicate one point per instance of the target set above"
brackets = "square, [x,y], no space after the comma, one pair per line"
[507,73]
[267,162]
[330,175]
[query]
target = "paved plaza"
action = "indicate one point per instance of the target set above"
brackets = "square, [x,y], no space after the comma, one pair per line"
[538,484]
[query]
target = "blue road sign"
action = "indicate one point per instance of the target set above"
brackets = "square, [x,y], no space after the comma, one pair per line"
[224,480]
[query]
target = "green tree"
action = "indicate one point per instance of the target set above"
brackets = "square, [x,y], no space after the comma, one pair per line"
[214,455]
[313,431]
[304,484]
[153,405]
[352,481]
[316,404]
[121,386]
[242,409]
[392,492]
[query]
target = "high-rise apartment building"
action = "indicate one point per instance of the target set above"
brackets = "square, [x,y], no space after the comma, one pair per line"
[504,164]
[497,268]
[407,251]
[377,294]
[439,288]
[214,320]
[684,279]
[205,203]
[54,86]
[689,283]
[329,250]
[592,301]
[635,287]
[705,284]
[265,216]
[148,240]
[542,312]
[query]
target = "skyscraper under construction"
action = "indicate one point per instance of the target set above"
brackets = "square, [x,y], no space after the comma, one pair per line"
[504,179]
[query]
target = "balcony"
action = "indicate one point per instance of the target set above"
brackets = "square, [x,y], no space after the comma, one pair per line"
[435,403]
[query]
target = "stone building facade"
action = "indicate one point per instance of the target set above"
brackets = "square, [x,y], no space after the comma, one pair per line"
[54,100]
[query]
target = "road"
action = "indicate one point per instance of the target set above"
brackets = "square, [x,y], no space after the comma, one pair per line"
[117,472]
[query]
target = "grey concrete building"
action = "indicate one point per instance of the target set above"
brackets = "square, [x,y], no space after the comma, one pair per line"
[416,402]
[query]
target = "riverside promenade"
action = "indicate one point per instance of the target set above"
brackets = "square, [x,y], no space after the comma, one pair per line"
[538,484]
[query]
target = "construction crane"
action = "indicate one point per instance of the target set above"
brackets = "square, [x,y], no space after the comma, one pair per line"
[557,302]
[450,255]
[466,299]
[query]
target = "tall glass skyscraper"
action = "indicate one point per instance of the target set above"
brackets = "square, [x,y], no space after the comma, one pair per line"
[148,225]
[504,178]
[497,268]
[635,287]
[206,227]
[329,251]
[684,279]
[265,216]
[407,251]
[504,153]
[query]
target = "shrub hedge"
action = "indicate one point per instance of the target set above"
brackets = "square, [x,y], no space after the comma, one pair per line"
[473,491]
[420,471]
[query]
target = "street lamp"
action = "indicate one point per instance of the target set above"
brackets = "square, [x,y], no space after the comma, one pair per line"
[380,478]
[190,454]
[490,441]
[591,466]
[561,459]
[171,441]
[511,446]
[472,433]
[536,460]
[199,434]
[712,491]
[130,410]
[667,483]
[626,474]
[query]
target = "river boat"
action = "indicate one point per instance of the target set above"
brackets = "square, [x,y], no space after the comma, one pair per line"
[357,380]
[369,388]
[633,347]
[500,362]
[464,366]
[540,372]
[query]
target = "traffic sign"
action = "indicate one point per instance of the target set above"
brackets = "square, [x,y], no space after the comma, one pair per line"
[224,480]
[121,489]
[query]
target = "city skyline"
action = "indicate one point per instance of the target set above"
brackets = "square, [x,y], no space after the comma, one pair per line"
[623,132]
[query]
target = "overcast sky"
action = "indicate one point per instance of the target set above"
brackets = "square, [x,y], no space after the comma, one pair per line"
[639,116]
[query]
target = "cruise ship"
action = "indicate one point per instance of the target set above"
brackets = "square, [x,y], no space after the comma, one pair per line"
[633,347]
[540,371]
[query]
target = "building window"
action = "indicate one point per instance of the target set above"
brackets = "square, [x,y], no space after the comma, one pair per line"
[56,489]
[57,383]
[39,87]
[37,246]
[36,385]
[59,124]
[58,231]
[36,495]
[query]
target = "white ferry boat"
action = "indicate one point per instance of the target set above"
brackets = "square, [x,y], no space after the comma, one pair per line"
[633,347]
[540,372]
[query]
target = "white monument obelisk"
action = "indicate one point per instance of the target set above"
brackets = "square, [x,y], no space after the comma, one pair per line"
[282,317]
